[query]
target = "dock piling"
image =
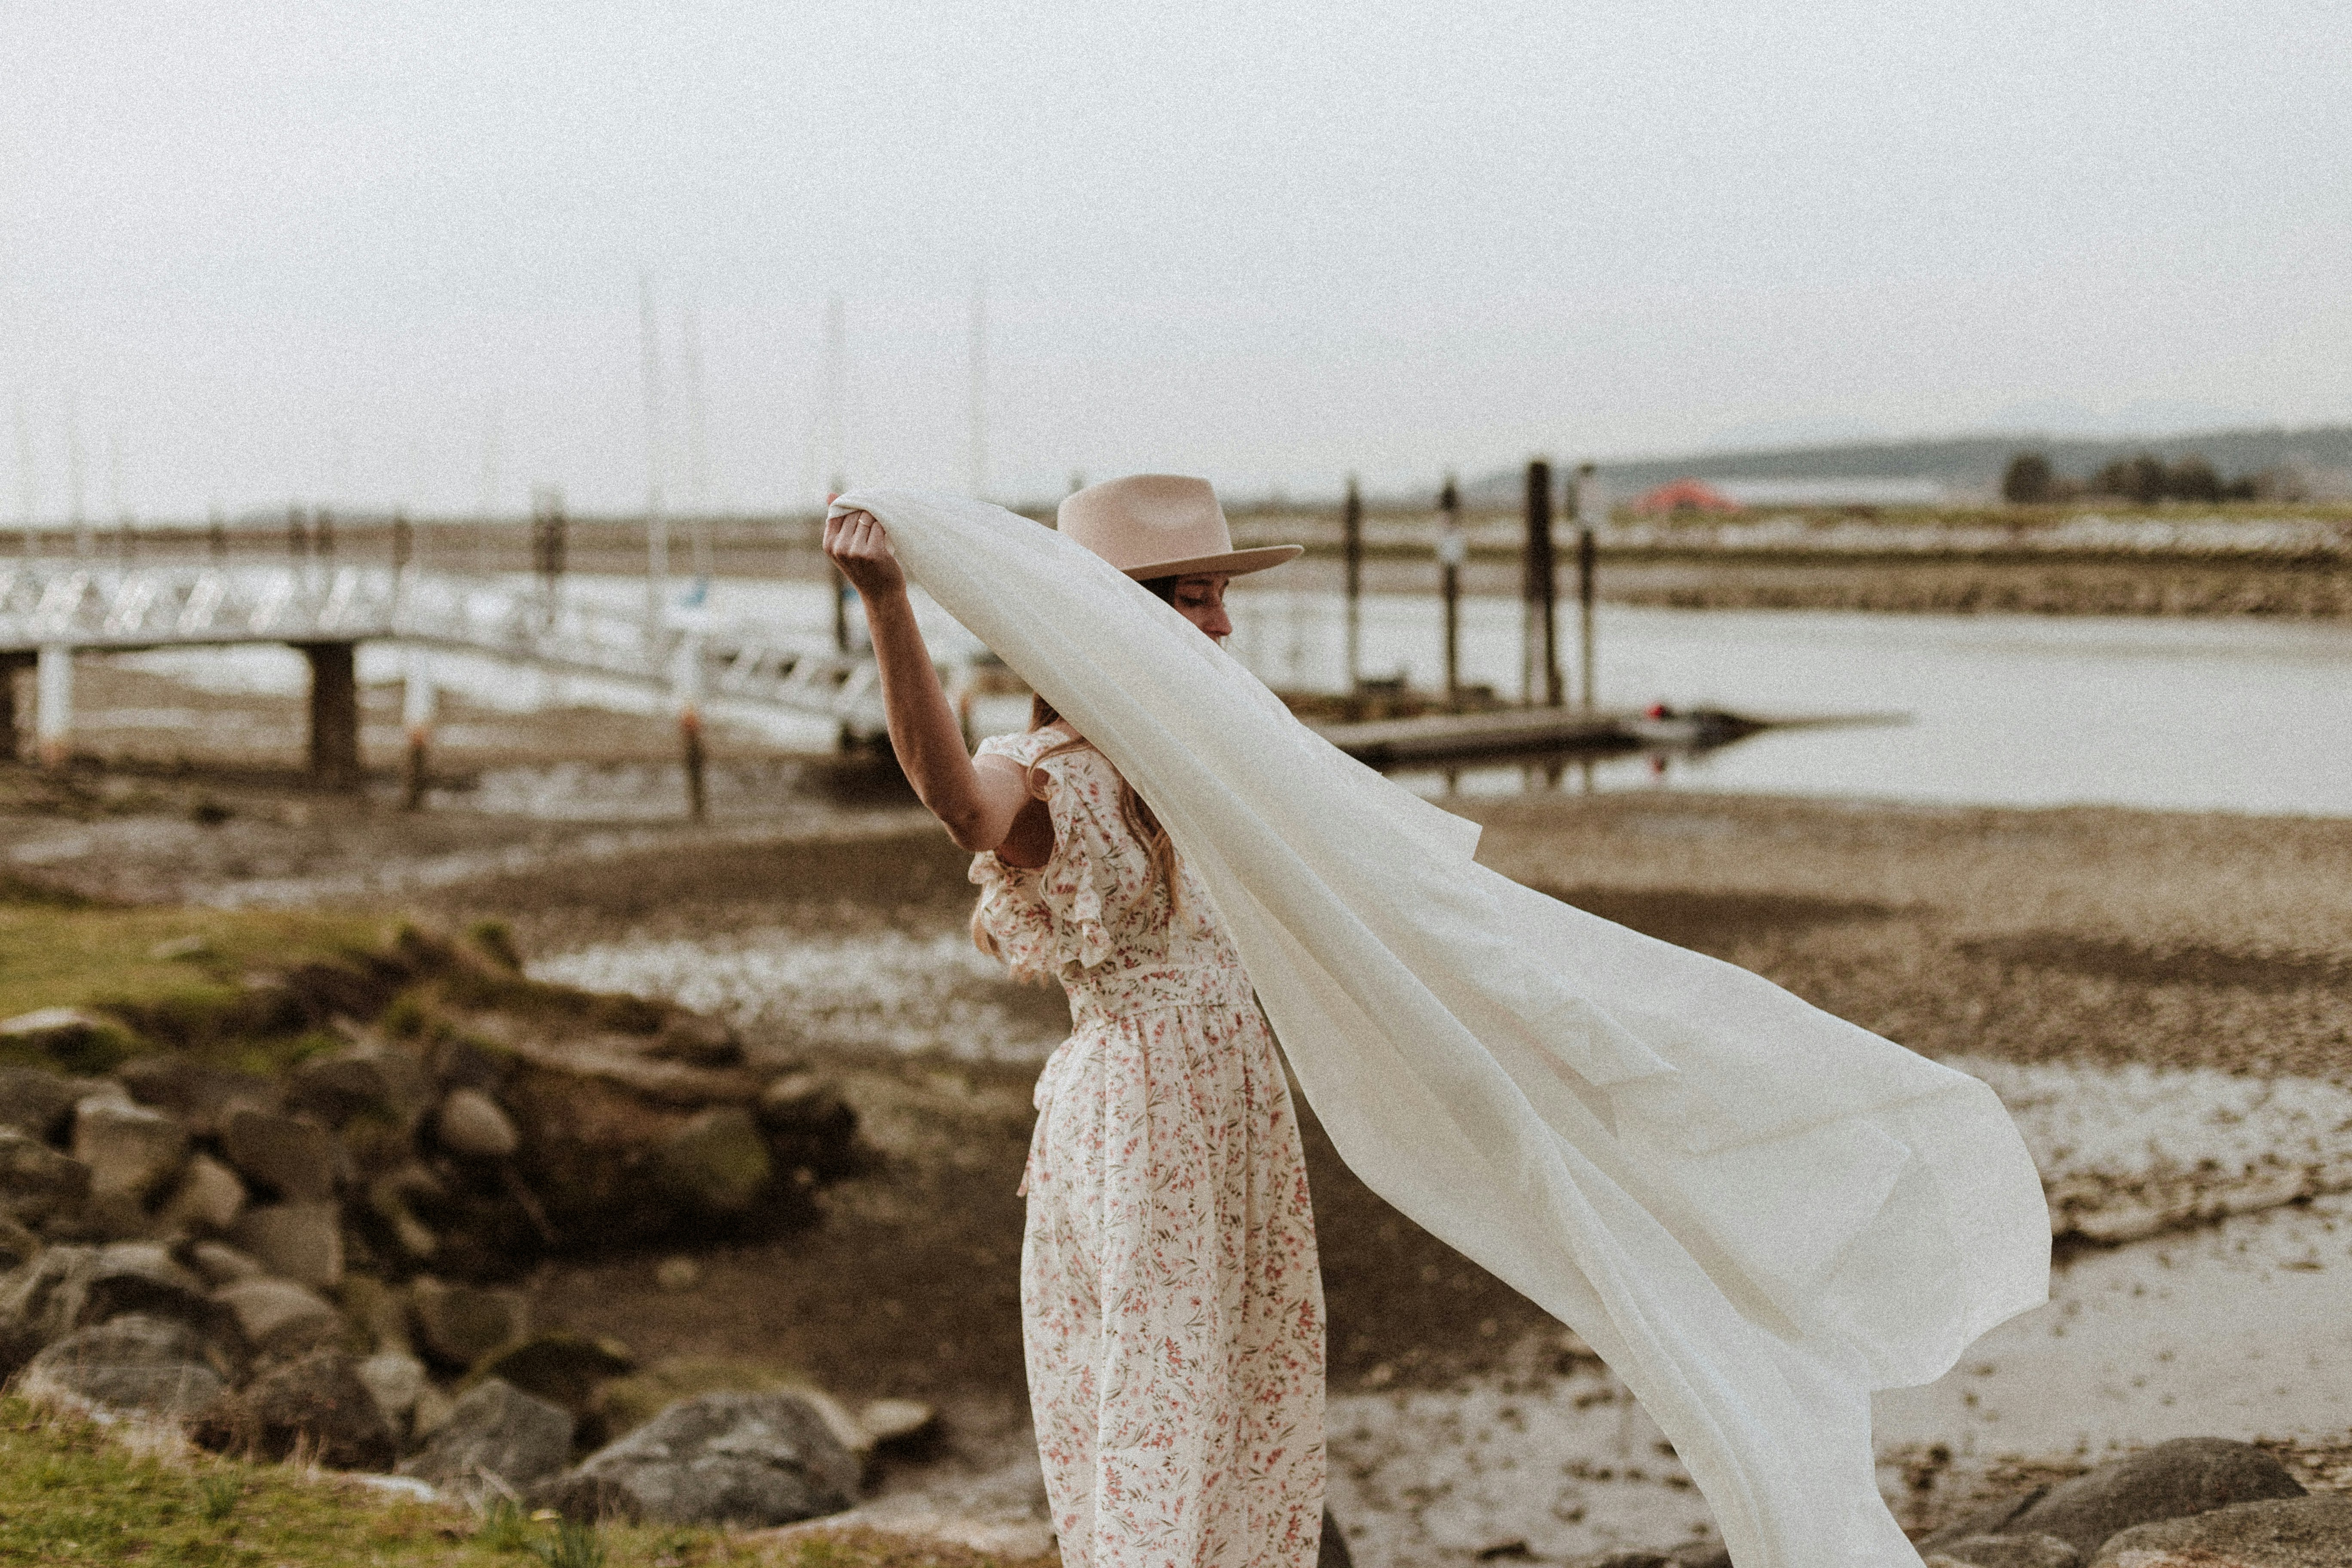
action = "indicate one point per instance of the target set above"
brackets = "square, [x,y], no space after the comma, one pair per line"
[1539,648]
[417,702]
[1351,540]
[1588,505]
[10,663]
[53,704]
[1451,549]
[334,712]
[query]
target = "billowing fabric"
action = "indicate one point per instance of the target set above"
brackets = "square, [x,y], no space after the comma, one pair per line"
[1756,1211]
[1172,1311]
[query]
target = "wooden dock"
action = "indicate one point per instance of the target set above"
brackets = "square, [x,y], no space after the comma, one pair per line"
[1521,732]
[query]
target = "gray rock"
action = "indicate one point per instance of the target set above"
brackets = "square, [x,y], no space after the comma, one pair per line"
[2009,1552]
[397,1380]
[887,1421]
[202,1097]
[36,1183]
[142,1276]
[285,1155]
[280,1320]
[302,1241]
[459,1325]
[1992,1519]
[133,1362]
[2185,1475]
[317,1403]
[78,1040]
[747,1460]
[471,1123]
[207,1200]
[221,1264]
[697,1039]
[18,1245]
[129,1149]
[561,1367]
[370,1079]
[36,1103]
[72,1286]
[376,1311]
[716,1163]
[2313,1531]
[495,1441]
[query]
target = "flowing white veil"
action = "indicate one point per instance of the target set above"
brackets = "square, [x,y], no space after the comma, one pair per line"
[1756,1211]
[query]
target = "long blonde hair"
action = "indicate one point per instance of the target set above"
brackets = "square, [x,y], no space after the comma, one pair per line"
[1133,810]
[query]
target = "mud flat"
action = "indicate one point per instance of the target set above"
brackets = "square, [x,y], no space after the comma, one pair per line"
[2164,1001]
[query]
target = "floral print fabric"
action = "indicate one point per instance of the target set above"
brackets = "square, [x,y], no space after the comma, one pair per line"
[1172,1307]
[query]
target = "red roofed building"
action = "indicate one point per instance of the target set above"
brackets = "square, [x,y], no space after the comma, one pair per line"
[1684,495]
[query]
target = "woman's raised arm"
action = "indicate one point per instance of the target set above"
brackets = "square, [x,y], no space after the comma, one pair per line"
[978,803]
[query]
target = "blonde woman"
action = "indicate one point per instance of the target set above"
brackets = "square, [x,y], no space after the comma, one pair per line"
[1171,1309]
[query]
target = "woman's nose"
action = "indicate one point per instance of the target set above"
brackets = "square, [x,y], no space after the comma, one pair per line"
[1218,624]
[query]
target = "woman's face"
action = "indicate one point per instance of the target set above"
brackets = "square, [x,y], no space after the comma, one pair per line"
[1202,601]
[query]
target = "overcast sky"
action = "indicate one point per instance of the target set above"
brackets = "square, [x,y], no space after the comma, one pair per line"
[255,253]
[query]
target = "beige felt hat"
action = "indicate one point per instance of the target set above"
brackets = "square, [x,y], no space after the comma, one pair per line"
[1161,525]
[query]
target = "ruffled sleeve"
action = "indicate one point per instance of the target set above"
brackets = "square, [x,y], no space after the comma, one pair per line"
[1060,914]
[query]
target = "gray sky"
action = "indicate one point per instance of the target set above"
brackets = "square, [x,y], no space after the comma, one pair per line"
[275,252]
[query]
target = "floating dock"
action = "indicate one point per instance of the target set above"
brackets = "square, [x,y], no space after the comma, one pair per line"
[1520,732]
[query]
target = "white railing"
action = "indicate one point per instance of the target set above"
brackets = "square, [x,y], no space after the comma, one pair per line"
[168,607]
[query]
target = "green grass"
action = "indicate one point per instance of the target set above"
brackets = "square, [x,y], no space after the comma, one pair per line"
[76,1495]
[175,969]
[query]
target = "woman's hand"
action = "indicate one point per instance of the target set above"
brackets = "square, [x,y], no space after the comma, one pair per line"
[858,545]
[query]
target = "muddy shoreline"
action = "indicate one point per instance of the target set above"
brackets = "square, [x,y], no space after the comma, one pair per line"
[2090,938]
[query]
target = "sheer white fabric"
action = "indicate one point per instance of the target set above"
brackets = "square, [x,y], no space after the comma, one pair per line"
[1756,1211]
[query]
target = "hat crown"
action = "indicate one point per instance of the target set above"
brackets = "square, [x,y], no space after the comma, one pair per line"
[1146,519]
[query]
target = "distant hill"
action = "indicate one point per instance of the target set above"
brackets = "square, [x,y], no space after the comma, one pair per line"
[1962,462]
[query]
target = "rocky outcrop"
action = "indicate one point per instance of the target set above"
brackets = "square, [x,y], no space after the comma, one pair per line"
[322,1245]
[751,1460]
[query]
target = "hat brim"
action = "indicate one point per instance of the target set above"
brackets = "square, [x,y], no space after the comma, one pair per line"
[1232,563]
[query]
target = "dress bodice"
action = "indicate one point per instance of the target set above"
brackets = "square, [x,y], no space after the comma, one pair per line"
[1094,916]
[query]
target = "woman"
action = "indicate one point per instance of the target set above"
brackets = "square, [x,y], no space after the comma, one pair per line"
[1171,1310]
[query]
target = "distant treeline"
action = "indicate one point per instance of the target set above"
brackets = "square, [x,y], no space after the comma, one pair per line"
[2144,480]
[1972,462]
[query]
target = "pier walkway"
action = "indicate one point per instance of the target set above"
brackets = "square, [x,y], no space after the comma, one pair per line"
[52,609]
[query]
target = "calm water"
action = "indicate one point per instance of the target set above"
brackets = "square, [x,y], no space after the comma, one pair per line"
[1999,710]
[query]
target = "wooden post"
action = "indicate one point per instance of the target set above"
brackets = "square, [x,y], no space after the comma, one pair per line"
[547,547]
[335,713]
[10,663]
[216,538]
[53,704]
[686,677]
[1451,552]
[1352,545]
[417,702]
[1540,634]
[297,541]
[1588,500]
[403,540]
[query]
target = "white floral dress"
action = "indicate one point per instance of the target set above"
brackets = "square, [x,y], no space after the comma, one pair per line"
[1172,1307]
